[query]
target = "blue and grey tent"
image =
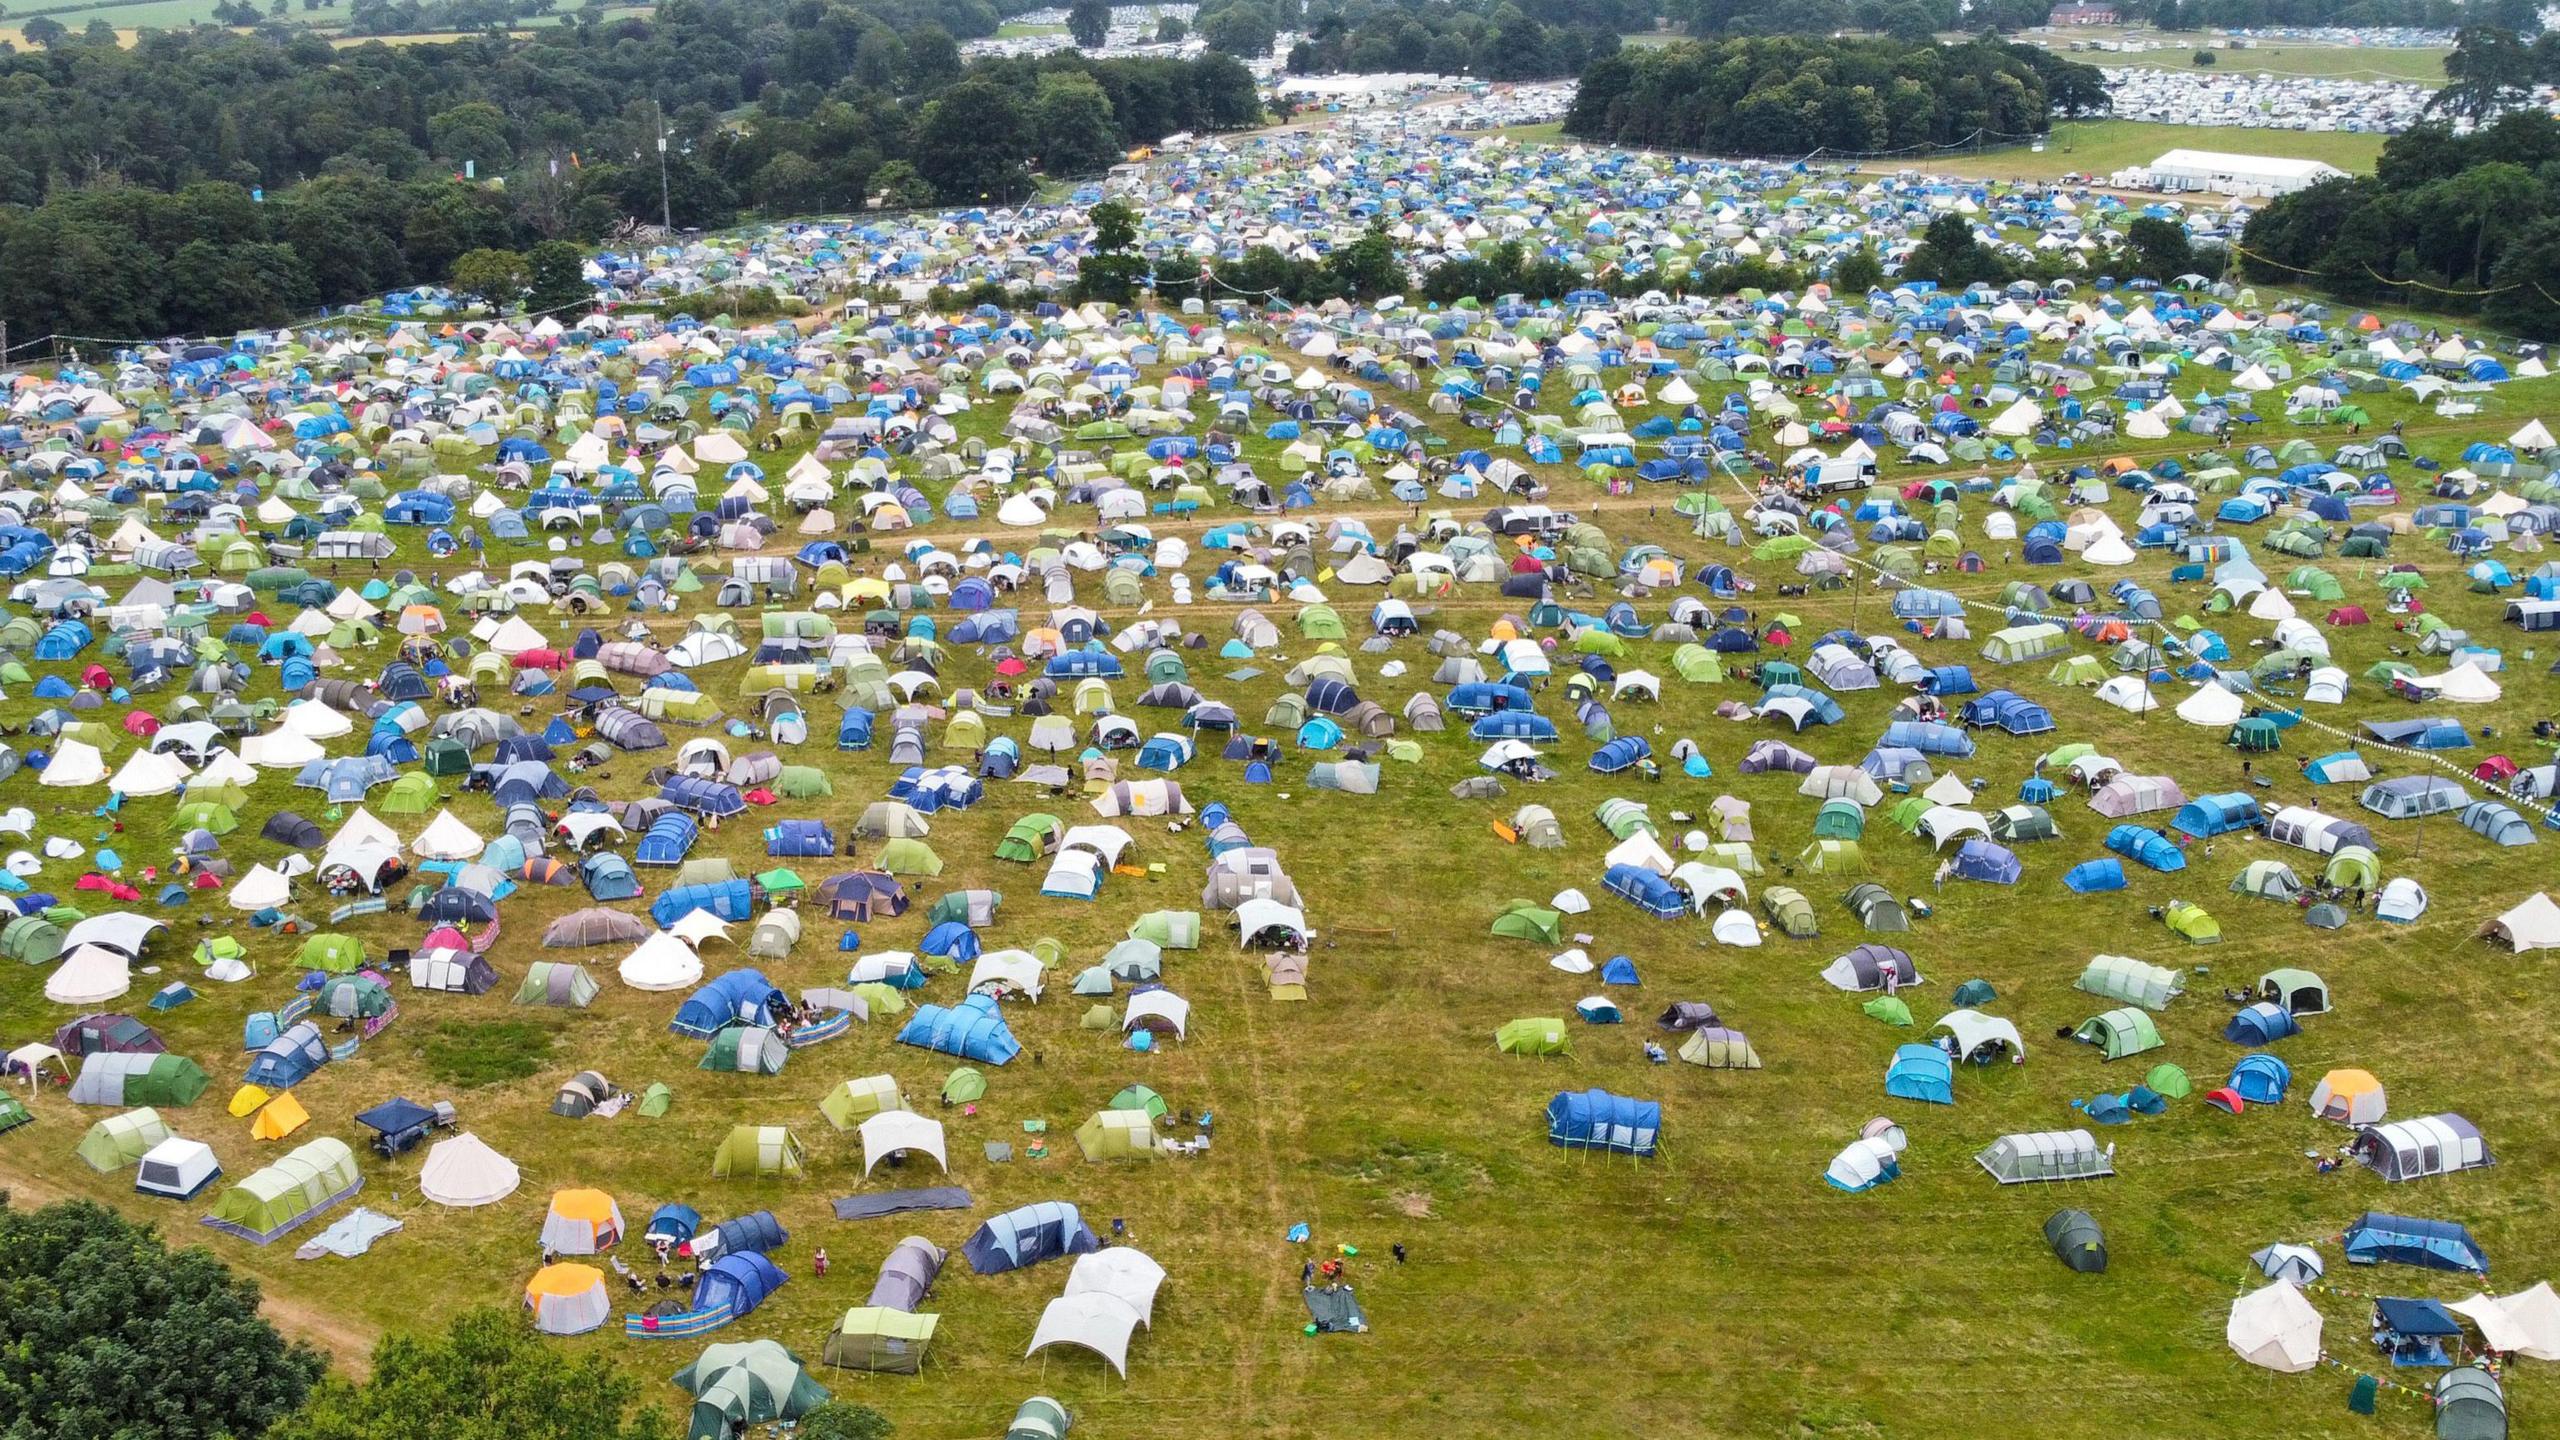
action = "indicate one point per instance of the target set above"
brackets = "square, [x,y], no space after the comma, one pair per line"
[2261,1079]
[2148,848]
[1045,1230]
[1921,1072]
[2375,1237]
[2260,1024]
[1646,891]
[740,997]
[728,899]
[2095,877]
[1598,1120]
[2209,815]
[289,1059]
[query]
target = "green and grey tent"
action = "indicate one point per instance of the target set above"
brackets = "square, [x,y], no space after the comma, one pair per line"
[121,1140]
[2119,1032]
[735,1386]
[2077,1241]
[1533,1036]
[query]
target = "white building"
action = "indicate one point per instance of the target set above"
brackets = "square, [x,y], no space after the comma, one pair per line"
[2220,173]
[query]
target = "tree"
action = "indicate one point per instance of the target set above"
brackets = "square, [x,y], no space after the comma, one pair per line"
[1949,254]
[843,1420]
[1858,272]
[485,1375]
[879,58]
[791,184]
[1171,31]
[1089,23]
[111,1333]
[2529,270]
[473,131]
[2488,69]
[2492,198]
[933,58]
[1242,29]
[555,277]
[1367,268]
[971,143]
[1115,228]
[45,31]
[1910,21]
[1071,118]
[2206,57]
[2159,248]
[497,276]
[900,187]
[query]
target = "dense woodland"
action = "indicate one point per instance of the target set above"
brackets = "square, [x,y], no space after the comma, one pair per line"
[1497,41]
[1917,19]
[2454,224]
[200,182]
[1786,96]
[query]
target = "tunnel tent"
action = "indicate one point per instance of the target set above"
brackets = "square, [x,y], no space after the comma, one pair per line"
[2120,1032]
[2470,1404]
[880,1339]
[2050,1155]
[758,1150]
[2118,977]
[121,1140]
[1533,1036]
[268,1203]
[1598,1120]
[2077,1241]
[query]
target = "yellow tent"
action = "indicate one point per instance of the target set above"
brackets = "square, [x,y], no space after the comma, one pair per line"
[246,1100]
[282,1116]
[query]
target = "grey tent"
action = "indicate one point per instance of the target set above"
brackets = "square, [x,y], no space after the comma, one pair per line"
[292,831]
[2470,1405]
[907,1274]
[2045,1155]
[2077,1241]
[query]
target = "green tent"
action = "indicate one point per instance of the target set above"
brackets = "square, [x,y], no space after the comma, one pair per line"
[271,1201]
[1533,1036]
[747,1383]
[1168,929]
[2169,1082]
[2257,733]
[1789,911]
[746,1050]
[803,782]
[2191,920]
[854,1101]
[758,1150]
[964,1085]
[905,856]
[121,1140]
[411,794]
[32,939]
[203,815]
[556,982]
[1029,838]
[337,954]
[2120,1032]
[152,1079]
[1139,1097]
[2117,977]
[14,1113]
[880,1339]
[1527,920]
[1890,1009]
[657,1100]
[1118,1135]
[1098,1017]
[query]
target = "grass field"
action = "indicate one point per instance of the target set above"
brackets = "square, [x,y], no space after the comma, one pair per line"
[1548,1290]
[2101,147]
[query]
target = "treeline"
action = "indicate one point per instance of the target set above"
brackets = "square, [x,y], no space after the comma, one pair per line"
[1493,42]
[1919,19]
[130,178]
[1786,96]
[2447,223]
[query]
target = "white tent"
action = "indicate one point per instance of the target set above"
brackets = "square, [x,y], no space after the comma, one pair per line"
[2532,435]
[147,773]
[2212,707]
[176,1168]
[1099,1322]
[463,1172]
[2464,684]
[2526,1323]
[263,888]
[1736,928]
[2533,925]
[447,838]
[891,1131]
[93,975]
[661,962]
[74,762]
[1129,1276]
[1158,1005]
[2276,1328]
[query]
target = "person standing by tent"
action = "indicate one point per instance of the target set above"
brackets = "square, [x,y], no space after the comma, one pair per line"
[818,1263]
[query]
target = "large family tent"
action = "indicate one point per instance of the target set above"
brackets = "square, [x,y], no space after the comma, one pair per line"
[2428,1145]
[759,1150]
[138,1079]
[121,1140]
[1016,1239]
[2375,1237]
[881,1339]
[1598,1120]
[267,1204]
[2046,1155]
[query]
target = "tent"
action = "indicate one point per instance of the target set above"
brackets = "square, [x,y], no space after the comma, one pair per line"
[2275,1328]
[2117,977]
[1597,1120]
[881,1339]
[581,1222]
[268,1203]
[2120,1032]
[747,1383]
[2349,1097]
[2429,1145]
[1045,1230]
[2046,1155]
[1118,1135]
[176,1169]
[121,1140]
[758,1150]
[2076,1241]
[567,1299]
[2375,1237]
[2470,1402]
[1533,1037]
[464,1173]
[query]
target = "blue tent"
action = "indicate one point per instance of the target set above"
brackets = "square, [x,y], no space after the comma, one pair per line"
[737,1281]
[952,938]
[1646,891]
[2094,877]
[1598,1120]
[1980,859]
[741,997]
[1950,679]
[669,839]
[1921,1072]
[2209,815]
[799,839]
[608,876]
[1619,971]
[2146,847]
[728,899]
[2261,1079]
[1620,754]
[675,1224]
[1514,725]
[758,1232]
[703,797]
[2429,1244]
[972,1030]
[2261,1024]
[1046,1230]
[290,1058]
[1928,737]
[854,731]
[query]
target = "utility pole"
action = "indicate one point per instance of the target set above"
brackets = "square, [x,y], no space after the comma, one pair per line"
[666,202]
